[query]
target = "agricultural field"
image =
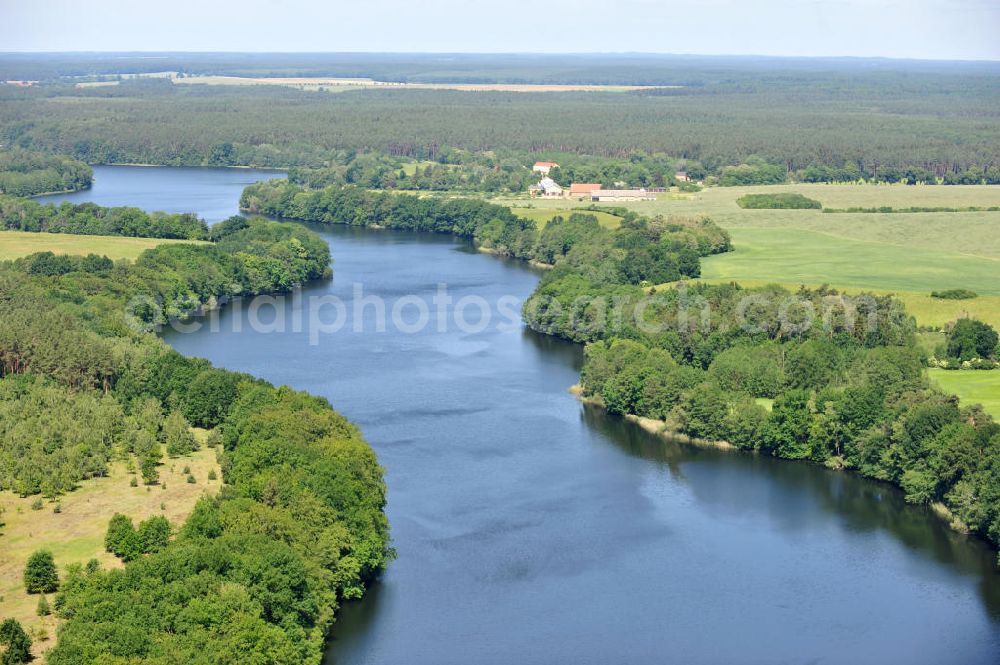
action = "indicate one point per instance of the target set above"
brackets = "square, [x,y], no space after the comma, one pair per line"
[908,254]
[971,386]
[76,533]
[14,244]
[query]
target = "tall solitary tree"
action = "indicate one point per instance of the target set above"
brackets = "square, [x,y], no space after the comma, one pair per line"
[40,574]
[972,339]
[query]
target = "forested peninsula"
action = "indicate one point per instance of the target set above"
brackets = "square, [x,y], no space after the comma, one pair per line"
[24,173]
[258,570]
[18,214]
[811,375]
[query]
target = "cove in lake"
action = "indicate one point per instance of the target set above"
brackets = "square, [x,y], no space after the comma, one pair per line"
[533,529]
[213,193]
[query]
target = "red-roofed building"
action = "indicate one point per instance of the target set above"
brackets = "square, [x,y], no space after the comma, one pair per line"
[583,189]
[544,167]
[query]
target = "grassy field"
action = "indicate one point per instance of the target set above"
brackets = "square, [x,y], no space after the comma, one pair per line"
[927,310]
[795,256]
[907,254]
[972,386]
[76,534]
[20,243]
[541,216]
[973,233]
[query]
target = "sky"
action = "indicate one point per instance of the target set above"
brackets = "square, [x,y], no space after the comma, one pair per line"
[925,29]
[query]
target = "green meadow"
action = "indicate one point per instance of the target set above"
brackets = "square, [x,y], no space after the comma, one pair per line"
[14,244]
[799,256]
[542,216]
[907,254]
[971,386]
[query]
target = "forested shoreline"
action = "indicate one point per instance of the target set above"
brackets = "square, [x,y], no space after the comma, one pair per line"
[258,570]
[24,173]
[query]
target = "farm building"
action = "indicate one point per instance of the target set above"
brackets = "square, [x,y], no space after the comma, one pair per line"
[582,190]
[622,195]
[544,167]
[548,188]
[682,176]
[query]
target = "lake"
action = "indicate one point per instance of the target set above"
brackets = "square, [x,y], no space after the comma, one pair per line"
[214,193]
[533,529]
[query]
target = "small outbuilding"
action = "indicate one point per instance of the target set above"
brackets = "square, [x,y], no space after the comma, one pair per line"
[622,195]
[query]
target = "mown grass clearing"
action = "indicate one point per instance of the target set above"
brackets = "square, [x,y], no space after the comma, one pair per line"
[76,533]
[971,386]
[542,216]
[14,244]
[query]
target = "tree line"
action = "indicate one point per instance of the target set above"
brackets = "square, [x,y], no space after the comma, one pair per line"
[24,173]
[20,214]
[258,570]
[497,171]
[675,250]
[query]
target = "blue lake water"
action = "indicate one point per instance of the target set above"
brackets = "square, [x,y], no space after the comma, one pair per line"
[531,529]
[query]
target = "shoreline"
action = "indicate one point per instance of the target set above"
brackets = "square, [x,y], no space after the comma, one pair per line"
[61,191]
[195,166]
[653,426]
[659,428]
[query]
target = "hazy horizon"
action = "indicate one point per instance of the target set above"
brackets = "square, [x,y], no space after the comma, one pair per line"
[595,54]
[918,30]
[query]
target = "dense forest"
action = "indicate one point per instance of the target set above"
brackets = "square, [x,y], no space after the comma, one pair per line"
[907,124]
[258,570]
[24,173]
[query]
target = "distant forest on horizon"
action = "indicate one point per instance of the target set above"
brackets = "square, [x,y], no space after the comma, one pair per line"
[938,117]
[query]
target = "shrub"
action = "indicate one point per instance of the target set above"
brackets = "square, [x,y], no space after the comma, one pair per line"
[43,609]
[955,294]
[778,201]
[18,643]
[154,533]
[119,528]
[40,574]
